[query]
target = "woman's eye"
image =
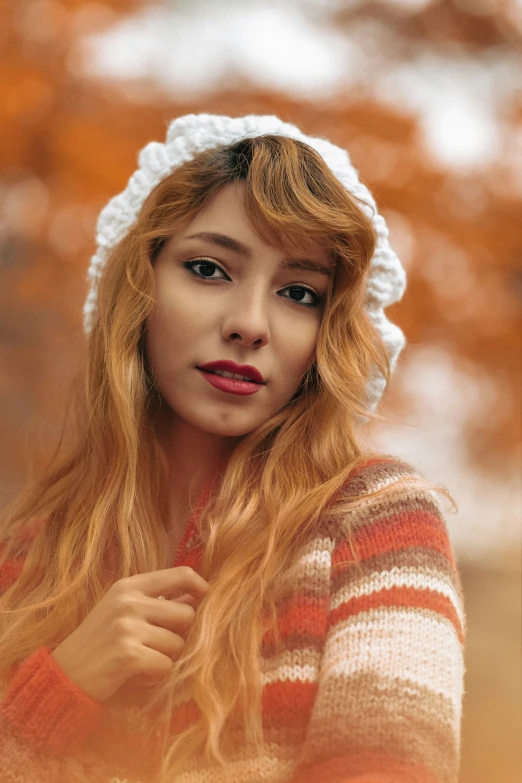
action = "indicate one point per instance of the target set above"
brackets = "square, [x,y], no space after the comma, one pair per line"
[191,264]
[211,266]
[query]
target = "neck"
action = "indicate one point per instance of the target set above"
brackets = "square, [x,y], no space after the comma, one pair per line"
[192,456]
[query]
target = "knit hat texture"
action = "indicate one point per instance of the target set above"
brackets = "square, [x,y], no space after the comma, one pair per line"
[193,133]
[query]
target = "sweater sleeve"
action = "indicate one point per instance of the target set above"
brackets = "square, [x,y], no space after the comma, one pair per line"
[41,710]
[389,698]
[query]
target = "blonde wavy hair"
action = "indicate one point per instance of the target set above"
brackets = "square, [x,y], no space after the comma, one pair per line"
[101,490]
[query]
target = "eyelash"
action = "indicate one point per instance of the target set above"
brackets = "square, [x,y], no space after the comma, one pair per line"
[190,264]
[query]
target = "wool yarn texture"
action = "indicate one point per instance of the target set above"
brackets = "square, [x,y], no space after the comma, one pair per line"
[367,684]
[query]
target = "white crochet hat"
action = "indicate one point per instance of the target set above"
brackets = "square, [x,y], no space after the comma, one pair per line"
[193,133]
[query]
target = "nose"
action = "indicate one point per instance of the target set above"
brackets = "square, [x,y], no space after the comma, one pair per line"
[246,320]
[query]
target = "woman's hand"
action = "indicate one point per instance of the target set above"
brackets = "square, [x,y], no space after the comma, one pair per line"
[130,632]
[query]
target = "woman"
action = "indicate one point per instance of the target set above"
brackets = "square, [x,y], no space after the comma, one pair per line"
[315,629]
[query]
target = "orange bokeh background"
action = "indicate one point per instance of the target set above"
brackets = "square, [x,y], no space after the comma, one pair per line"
[69,142]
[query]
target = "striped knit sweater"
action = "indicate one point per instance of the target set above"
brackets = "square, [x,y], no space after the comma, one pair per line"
[367,688]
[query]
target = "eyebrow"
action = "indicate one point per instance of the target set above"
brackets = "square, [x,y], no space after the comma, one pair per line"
[228,243]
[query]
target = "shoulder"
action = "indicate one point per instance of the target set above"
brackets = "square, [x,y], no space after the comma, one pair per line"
[392,545]
[391,496]
[385,504]
[380,471]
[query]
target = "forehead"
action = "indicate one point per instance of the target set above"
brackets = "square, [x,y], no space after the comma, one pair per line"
[225,212]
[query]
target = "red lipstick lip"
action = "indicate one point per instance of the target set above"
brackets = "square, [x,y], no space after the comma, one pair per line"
[239,369]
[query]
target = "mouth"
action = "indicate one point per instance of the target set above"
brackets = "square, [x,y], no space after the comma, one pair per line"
[226,385]
[232,376]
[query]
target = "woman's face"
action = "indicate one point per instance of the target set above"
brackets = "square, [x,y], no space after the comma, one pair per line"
[230,298]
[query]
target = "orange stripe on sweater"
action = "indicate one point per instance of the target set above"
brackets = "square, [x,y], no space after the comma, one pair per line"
[409,597]
[277,697]
[305,615]
[404,530]
[364,768]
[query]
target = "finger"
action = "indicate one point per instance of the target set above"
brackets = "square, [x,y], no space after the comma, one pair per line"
[172,581]
[186,599]
[174,615]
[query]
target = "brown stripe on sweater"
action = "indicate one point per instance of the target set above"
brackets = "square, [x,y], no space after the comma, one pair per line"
[378,509]
[373,475]
[368,713]
[298,655]
[285,737]
[427,561]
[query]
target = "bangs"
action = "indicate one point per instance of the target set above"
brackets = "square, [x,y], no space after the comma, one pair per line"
[292,196]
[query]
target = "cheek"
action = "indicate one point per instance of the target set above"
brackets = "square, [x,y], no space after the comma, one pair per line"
[160,338]
[177,310]
[170,314]
[301,347]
